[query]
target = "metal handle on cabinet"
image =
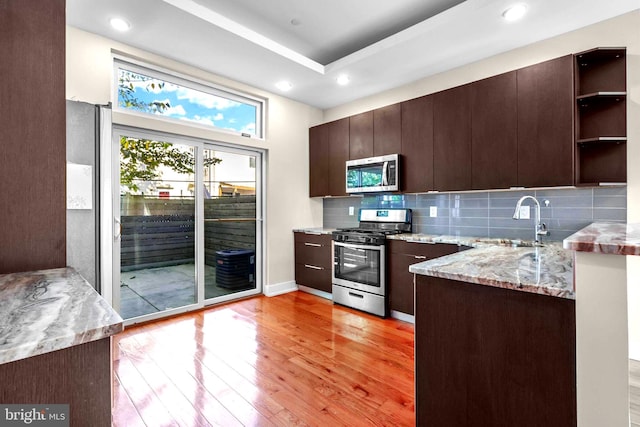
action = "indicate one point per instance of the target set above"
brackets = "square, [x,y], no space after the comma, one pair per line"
[119,224]
[356,295]
[420,257]
[313,267]
[315,245]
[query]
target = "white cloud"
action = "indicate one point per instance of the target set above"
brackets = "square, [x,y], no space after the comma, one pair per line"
[249,128]
[175,110]
[154,86]
[218,117]
[198,119]
[204,99]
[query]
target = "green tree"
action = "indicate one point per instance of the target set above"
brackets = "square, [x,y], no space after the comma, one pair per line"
[140,159]
[127,82]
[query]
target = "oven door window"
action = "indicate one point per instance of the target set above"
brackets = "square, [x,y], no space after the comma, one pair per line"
[358,265]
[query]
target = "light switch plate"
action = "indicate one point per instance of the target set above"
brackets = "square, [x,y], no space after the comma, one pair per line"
[433,211]
[351,210]
[525,212]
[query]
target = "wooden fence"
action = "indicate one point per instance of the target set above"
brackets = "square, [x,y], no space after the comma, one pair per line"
[161,232]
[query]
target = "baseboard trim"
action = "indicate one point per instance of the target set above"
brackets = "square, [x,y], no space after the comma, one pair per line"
[280,288]
[402,316]
[321,294]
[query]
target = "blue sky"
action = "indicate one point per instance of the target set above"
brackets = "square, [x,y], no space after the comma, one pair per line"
[199,107]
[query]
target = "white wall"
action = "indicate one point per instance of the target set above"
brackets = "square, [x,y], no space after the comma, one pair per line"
[621,31]
[89,71]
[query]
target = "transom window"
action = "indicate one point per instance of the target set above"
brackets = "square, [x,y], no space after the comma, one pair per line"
[143,90]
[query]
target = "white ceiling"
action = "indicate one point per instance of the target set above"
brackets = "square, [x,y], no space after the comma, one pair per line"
[380,44]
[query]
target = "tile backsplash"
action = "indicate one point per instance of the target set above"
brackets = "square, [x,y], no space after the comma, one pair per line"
[489,214]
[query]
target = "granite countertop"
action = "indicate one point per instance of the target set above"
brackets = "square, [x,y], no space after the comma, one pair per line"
[473,242]
[48,310]
[546,270]
[606,238]
[314,230]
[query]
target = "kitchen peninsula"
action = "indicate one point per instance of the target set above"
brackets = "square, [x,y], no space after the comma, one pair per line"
[495,337]
[55,344]
[602,349]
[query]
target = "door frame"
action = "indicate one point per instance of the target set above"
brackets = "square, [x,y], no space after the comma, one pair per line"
[110,216]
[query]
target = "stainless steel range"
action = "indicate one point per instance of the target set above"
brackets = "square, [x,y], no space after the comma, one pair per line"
[359,273]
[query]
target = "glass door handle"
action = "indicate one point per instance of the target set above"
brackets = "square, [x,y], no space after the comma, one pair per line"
[119,228]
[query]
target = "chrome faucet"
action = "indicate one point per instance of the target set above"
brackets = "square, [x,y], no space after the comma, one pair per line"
[540,229]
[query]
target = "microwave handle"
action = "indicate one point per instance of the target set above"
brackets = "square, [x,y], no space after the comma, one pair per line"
[385,174]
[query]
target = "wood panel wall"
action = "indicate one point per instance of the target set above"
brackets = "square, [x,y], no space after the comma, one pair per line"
[32,135]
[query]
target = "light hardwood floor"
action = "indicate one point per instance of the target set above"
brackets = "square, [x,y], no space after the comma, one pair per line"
[295,359]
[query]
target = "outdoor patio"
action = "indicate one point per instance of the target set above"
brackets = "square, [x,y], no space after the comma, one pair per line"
[152,290]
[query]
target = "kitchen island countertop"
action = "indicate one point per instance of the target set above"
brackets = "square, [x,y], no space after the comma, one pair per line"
[546,270]
[606,238]
[48,310]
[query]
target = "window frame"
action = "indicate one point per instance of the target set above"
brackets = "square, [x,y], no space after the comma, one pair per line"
[189,82]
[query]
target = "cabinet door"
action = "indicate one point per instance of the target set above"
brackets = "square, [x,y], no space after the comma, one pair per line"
[545,124]
[319,161]
[403,254]
[338,156]
[488,356]
[494,120]
[361,135]
[401,282]
[452,139]
[417,145]
[386,130]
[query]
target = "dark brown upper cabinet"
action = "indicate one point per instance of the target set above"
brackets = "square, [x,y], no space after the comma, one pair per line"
[361,135]
[387,130]
[452,139]
[319,161]
[338,156]
[545,124]
[417,145]
[494,147]
[601,116]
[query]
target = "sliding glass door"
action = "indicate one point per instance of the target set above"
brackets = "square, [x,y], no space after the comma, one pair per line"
[187,216]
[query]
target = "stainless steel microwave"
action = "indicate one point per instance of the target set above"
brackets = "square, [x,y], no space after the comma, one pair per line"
[373,174]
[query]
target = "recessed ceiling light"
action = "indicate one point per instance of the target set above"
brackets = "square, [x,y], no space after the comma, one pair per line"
[343,79]
[515,12]
[120,24]
[284,86]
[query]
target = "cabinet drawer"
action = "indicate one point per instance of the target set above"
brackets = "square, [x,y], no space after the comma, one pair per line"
[308,253]
[314,277]
[318,239]
[427,250]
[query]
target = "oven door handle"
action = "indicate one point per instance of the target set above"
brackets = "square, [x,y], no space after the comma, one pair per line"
[364,247]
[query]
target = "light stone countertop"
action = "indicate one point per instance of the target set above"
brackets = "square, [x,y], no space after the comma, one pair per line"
[546,270]
[48,310]
[606,238]
[314,230]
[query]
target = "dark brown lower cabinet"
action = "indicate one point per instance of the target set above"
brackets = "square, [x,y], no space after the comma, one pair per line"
[79,376]
[313,260]
[494,357]
[401,255]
